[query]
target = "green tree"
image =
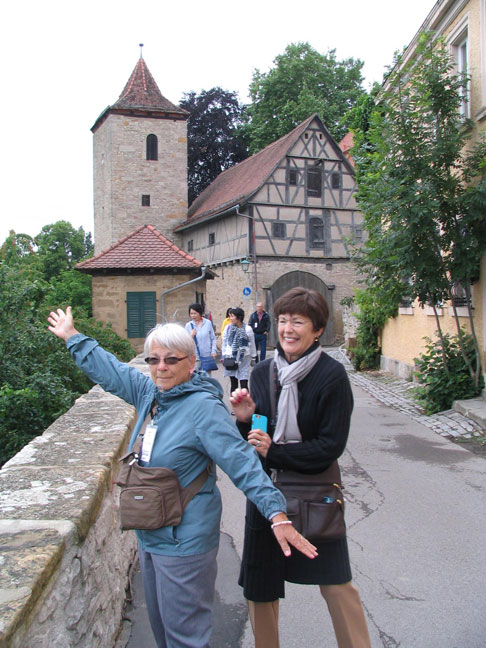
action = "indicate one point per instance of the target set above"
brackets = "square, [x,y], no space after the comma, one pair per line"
[301,82]
[60,247]
[38,379]
[214,143]
[421,191]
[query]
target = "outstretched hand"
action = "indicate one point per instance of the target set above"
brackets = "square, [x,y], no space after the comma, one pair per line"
[286,535]
[62,323]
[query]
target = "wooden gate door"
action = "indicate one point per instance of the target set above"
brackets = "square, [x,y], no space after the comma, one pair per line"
[306,280]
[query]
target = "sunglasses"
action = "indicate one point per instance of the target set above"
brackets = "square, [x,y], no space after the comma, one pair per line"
[171,360]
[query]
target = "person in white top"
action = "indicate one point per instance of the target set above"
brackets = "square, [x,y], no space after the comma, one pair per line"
[239,344]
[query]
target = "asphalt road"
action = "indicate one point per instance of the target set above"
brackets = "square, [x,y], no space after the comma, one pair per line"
[416,517]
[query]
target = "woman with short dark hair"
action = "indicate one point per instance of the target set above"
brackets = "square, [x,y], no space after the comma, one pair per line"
[314,405]
[202,332]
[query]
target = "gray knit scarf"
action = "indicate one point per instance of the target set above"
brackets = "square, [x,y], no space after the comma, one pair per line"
[287,428]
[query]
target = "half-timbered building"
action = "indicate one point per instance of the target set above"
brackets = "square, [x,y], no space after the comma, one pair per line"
[287,215]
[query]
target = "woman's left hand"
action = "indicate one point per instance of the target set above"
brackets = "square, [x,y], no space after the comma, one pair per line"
[260,441]
[286,535]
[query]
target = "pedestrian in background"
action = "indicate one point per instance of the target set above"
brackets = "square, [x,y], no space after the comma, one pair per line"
[314,405]
[238,344]
[226,321]
[260,325]
[202,331]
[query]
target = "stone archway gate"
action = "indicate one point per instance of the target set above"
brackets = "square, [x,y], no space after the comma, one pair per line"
[306,280]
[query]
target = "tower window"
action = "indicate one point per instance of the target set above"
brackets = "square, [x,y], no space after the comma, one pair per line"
[145,200]
[152,147]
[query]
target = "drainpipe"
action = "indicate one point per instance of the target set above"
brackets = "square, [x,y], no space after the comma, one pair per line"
[254,249]
[166,292]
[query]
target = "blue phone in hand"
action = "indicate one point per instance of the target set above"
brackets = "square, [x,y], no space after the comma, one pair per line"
[259,422]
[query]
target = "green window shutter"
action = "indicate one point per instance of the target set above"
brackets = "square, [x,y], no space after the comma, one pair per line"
[141,313]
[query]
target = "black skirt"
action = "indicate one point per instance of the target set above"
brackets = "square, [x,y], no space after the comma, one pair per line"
[264,568]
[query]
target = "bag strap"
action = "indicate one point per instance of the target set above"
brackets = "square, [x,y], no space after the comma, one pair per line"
[195,340]
[188,492]
[273,392]
[137,446]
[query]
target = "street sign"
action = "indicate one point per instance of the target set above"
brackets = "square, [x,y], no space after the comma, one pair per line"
[247,291]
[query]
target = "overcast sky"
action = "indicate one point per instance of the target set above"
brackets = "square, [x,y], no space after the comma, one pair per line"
[64,63]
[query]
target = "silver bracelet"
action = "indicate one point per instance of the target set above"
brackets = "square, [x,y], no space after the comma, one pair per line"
[276,524]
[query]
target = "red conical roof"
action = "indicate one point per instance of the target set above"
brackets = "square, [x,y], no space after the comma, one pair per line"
[141,91]
[142,94]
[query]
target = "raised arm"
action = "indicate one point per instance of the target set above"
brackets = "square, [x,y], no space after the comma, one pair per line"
[62,323]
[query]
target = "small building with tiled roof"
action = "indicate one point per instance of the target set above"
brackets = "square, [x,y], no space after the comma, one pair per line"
[141,280]
[290,211]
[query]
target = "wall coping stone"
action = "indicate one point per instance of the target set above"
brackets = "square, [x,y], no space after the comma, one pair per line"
[50,495]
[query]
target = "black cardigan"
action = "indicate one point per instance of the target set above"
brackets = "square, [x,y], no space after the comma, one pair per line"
[325,406]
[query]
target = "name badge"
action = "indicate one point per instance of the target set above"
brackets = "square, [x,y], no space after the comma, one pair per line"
[148,441]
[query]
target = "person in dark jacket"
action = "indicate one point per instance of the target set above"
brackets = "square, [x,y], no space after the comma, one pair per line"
[260,325]
[314,402]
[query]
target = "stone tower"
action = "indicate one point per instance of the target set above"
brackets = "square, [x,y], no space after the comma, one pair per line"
[140,162]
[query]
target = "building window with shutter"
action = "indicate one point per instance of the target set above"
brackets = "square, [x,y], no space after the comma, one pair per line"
[141,313]
[152,147]
[212,238]
[190,245]
[335,180]
[293,175]
[314,182]
[145,200]
[316,233]
[279,229]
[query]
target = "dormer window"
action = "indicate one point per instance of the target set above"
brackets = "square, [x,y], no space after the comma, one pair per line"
[152,147]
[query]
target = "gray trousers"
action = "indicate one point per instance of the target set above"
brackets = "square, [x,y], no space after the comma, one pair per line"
[179,593]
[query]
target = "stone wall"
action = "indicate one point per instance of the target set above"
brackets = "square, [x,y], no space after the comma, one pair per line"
[64,561]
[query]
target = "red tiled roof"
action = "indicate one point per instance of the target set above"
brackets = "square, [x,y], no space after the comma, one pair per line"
[346,144]
[237,184]
[143,248]
[142,93]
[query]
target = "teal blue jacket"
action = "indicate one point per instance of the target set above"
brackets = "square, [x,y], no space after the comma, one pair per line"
[193,427]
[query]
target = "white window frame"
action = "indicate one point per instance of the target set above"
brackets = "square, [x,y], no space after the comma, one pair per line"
[459,48]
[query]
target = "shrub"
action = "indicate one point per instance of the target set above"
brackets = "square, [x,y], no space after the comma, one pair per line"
[441,383]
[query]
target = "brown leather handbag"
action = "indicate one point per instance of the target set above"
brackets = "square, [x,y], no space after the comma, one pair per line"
[151,497]
[315,503]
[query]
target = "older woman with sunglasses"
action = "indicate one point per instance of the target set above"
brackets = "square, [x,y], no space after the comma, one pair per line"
[193,428]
